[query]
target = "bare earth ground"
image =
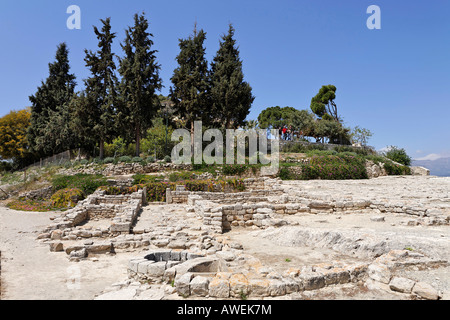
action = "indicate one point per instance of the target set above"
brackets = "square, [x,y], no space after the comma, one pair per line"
[29,271]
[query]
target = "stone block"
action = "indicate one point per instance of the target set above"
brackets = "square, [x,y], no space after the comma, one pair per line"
[156,269]
[134,263]
[182,284]
[219,288]
[379,272]
[277,288]
[425,291]
[259,287]
[199,286]
[56,247]
[403,285]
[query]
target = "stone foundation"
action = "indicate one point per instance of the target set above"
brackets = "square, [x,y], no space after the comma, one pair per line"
[121,209]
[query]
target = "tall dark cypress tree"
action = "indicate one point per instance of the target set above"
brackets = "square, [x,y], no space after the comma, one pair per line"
[191,83]
[140,81]
[49,132]
[95,110]
[231,95]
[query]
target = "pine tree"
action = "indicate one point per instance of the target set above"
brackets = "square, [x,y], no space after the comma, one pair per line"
[94,110]
[191,83]
[231,95]
[323,104]
[140,81]
[50,119]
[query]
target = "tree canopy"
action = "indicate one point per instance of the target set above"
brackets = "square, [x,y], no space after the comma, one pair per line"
[49,132]
[140,80]
[230,94]
[323,104]
[13,134]
[191,85]
[94,110]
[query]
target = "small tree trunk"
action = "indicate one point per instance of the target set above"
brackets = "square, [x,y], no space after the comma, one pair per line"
[102,149]
[192,138]
[227,123]
[138,141]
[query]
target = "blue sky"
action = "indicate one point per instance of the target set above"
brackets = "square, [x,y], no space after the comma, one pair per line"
[393,81]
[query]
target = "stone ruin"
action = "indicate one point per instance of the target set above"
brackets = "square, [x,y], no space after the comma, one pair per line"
[205,264]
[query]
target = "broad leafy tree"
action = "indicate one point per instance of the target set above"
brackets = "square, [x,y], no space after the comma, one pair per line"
[361,135]
[13,134]
[398,155]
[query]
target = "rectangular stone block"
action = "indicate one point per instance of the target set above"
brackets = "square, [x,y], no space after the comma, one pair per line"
[142,266]
[156,269]
[133,264]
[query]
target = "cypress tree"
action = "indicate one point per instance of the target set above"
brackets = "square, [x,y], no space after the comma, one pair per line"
[94,109]
[140,80]
[49,132]
[191,83]
[231,95]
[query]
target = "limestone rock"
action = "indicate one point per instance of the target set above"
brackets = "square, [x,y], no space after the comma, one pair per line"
[56,235]
[226,255]
[182,284]
[379,272]
[56,247]
[199,286]
[425,291]
[403,285]
[219,288]
[238,285]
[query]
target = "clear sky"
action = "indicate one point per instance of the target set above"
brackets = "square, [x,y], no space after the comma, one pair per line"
[394,81]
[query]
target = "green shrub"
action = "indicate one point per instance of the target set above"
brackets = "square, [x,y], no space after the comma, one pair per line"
[234,169]
[150,159]
[67,198]
[329,167]
[167,159]
[108,160]
[67,165]
[125,159]
[286,174]
[396,170]
[156,190]
[84,162]
[142,178]
[137,159]
[398,155]
[180,176]
[88,183]
[376,159]
[31,205]
[312,153]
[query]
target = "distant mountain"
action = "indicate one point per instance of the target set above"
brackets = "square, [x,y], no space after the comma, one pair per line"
[439,167]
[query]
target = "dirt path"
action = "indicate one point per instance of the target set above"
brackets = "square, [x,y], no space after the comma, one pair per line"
[30,271]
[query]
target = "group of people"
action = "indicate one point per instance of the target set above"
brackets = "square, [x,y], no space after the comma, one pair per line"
[286,133]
